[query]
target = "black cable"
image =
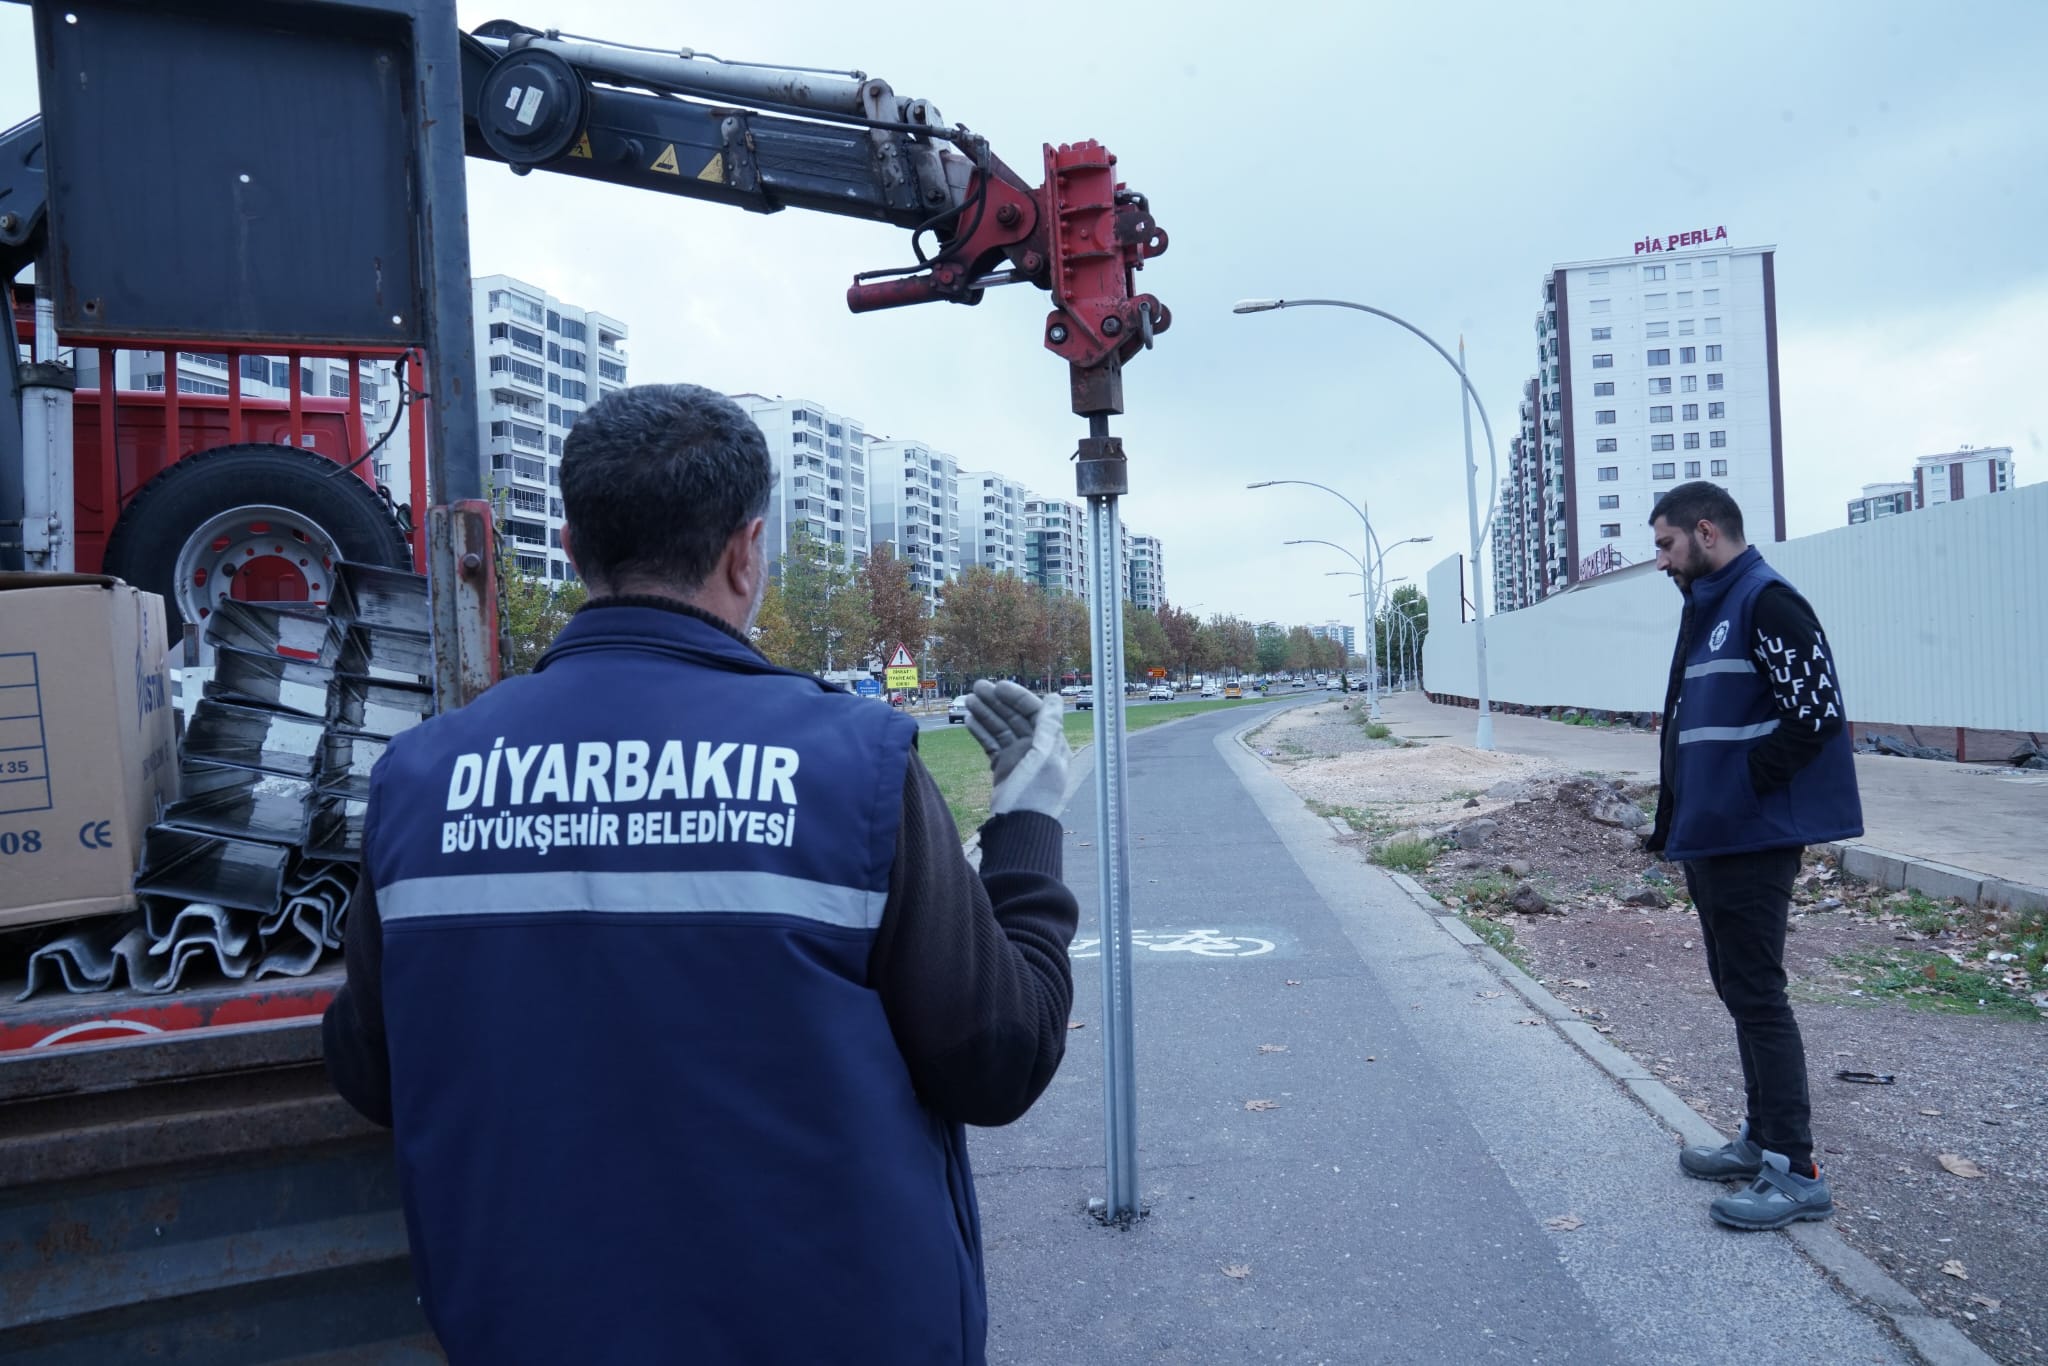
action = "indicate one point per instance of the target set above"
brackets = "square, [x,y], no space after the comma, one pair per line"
[406,394]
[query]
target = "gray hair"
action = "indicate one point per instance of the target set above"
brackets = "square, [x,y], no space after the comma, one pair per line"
[657,478]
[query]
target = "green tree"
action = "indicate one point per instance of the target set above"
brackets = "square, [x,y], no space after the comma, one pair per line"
[1405,601]
[1145,646]
[983,623]
[1270,649]
[830,625]
[1301,649]
[772,634]
[531,610]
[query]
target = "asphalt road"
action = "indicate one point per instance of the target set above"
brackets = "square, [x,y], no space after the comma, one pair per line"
[938,719]
[1391,1205]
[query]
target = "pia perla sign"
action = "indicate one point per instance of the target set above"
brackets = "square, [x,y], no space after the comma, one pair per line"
[1678,241]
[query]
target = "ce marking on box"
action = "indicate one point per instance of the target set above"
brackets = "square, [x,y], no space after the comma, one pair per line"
[96,835]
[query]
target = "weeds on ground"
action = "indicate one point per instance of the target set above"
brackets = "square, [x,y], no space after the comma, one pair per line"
[1463,794]
[1363,820]
[1377,730]
[1930,981]
[1500,938]
[1406,855]
[1593,721]
[1484,892]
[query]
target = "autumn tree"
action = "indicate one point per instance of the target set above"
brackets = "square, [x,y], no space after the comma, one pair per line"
[1180,628]
[1301,649]
[773,636]
[895,604]
[983,623]
[1145,646]
[830,625]
[531,610]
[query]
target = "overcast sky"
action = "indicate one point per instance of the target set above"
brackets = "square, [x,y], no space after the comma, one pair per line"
[1431,160]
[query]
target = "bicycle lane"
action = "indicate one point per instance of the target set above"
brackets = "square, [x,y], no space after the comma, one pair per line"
[1376,1212]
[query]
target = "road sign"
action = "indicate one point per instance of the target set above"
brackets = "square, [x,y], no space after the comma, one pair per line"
[902,659]
[1155,673]
[902,670]
[867,687]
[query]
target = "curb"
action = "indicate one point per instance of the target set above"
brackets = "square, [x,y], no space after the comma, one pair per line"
[1936,1340]
[1905,872]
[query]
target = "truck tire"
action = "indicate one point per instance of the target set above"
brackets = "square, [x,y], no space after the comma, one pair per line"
[281,516]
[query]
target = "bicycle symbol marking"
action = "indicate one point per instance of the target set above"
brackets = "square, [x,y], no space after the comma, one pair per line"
[1202,943]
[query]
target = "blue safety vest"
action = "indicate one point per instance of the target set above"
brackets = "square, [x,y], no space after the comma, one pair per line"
[647,1106]
[1724,710]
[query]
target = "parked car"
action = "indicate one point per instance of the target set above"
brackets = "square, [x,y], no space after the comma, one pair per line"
[1161,693]
[957,713]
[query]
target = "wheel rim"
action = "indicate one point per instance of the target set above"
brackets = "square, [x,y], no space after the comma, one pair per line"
[254,553]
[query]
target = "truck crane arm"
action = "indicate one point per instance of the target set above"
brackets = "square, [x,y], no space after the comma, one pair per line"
[766,138]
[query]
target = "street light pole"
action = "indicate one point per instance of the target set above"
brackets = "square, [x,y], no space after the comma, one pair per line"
[1370,572]
[1483,738]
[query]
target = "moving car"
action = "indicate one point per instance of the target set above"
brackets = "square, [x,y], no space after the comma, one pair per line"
[1298,684]
[1083,699]
[958,711]
[1208,690]
[1161,693]
[1233,690]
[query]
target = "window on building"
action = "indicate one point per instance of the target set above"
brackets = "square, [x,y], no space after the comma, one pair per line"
[1610,531]
[1717,439]
[1717,411]
[1660,412]
[1653,272]
[555,448]
[1661,356]
[1713,326]
[1603,334]
[1596,277]
[1604,389]
[1687,355]
[1664,470]
[1719,469]
[337,385]
[1660,384]
[1685,298]
[574,360]
[1655,330]
[1602,305]
[1692,443]
[1682,271]
[1603,361]
[1610,473]
[1606,445]
[1610,502]
[1685,327]
[1688,384]
[1604,417]
[1691,413]
[1710,296]
[1713,379]
[1661,441]
[1710,268]
[1692,469]
[611,370]
[1652,302]
[1714,352]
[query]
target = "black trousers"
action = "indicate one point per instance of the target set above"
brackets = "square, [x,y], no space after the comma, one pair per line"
[1742,901]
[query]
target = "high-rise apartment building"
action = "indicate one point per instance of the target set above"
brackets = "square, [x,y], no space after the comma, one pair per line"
[1653,369]
[1970,472]
[1880,500]
[821,466]
[992,530]
[541,362]
[1055,546]
[1338,631]
[1145,585]
[914,507]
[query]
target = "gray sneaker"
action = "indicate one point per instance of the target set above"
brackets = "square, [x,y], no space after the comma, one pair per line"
[1737,1159]
[1776,1198]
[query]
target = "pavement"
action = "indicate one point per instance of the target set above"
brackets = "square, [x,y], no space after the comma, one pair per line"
[1987,818]
[1426,1122]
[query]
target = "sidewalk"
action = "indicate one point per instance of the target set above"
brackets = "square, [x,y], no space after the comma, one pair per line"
[1426,1177]
[1986,818]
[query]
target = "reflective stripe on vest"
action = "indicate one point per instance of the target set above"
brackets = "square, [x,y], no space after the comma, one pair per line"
[1698,733]
[1720,666]
[570,891]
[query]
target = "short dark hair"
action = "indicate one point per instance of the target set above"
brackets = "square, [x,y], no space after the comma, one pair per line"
[657,478]
[1686,506]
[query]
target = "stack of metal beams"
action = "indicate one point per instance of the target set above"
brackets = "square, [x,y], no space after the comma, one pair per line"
[251,870]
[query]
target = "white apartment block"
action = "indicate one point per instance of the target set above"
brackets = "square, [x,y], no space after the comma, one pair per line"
[992,530]
[1967,473]
[1338,631]
[821,465]
[540,363]
[1653,369]
[1145,585]
[1880,500]
[1056,545]
[914,508]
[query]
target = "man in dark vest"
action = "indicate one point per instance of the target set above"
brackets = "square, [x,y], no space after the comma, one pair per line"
[669,973]
[1756,765]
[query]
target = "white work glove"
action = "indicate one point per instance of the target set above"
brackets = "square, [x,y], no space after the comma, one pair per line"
[1026,744]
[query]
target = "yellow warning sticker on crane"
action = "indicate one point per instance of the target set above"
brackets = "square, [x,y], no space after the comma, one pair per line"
[714,169]
[666,162]
[582,147]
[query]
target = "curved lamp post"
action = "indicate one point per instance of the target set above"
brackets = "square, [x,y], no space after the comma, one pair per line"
[1484,736]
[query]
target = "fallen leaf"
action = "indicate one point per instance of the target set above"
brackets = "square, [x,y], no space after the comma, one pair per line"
[1564,1223]
[1238,1271]
[1959,1166]
[1986,1300]
[1686,945]
[1291,982]
[1931,973]
[1930,1112]
[1262,1105]
[1954,1268]
[1603,1029]
[1272,1048]
[1491,995]
[1076,1024]
[1531,1021]
[1579,983]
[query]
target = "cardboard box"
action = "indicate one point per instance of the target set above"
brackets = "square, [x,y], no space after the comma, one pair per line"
[87,742]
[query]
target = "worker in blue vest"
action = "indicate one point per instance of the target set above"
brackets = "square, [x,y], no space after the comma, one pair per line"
[1756,765]
[670,975]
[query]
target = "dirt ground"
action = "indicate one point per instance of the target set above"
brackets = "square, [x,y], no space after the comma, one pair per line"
[1884,984]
